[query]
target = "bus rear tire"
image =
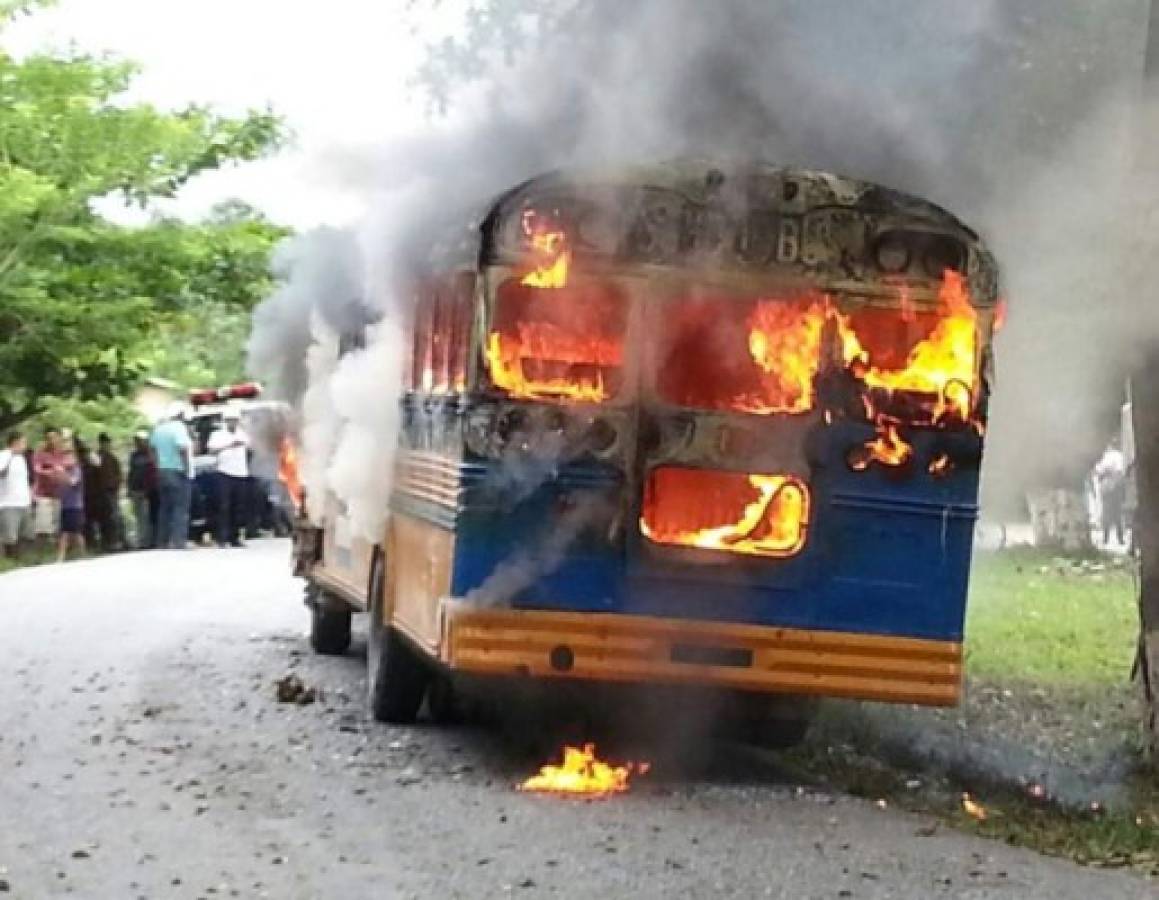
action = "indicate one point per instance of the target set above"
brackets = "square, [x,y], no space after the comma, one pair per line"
[397,678]
[329,625]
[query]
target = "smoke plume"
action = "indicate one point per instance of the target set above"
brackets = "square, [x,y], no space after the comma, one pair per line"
[1009,113]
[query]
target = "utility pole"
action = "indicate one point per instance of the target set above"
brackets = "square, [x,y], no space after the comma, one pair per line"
[1145,407]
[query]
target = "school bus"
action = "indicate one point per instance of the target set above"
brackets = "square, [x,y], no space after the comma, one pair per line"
[685,424]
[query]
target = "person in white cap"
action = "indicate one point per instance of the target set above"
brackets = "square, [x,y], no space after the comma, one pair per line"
[230,444]
[173,451]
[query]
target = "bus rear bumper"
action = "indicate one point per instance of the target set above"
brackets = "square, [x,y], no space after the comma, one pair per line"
[613,647]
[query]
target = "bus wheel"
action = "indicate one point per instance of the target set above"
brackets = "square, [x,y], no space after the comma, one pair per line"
[329,625]
[396,676]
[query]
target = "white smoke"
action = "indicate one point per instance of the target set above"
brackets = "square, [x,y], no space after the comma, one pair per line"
[321,423]
[364,390]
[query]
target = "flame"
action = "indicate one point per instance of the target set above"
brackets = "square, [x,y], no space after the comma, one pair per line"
[558,351]
[943,364]
[774,523]
[888,448]
[1000,313]
[583,775]
[973,808]
[550,253]
[785,342]
[941,465]
[288,471]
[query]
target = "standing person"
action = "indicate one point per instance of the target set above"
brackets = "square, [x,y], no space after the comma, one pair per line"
[50,478]
[15,494]
[173,452]
[1111,477]
[109,481]
[72,503]
[90,480]
[230,444]
[143,491]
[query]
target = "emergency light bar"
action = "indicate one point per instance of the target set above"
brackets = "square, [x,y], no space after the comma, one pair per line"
[250,390]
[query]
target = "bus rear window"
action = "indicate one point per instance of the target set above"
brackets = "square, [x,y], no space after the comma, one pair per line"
[737,354]
[741,355]
[563,344]
[888,336]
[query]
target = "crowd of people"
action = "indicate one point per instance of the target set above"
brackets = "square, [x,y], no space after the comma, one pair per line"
[65,496]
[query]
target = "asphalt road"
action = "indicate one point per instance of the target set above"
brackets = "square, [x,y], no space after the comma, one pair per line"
[143,754]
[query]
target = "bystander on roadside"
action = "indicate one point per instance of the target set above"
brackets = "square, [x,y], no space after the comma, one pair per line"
[15,495]
[230,444]
[143,491]
[107,497]
[72,504]
[50,478]
[172,450]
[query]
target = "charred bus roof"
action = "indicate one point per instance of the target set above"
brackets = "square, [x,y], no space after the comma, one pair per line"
[747,217]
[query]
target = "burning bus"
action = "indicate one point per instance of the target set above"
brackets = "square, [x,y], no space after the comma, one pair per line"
[685,424]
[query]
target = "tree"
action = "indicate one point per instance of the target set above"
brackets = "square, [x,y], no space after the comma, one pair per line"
[79,295]
[1145,413]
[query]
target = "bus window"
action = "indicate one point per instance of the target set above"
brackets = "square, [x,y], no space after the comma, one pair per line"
[741,355]
[566,343]
[888,338]
[761,515]
[462,308]
[423,357]
[440,303]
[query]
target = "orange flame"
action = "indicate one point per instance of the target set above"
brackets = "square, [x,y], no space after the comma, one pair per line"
[973,809]
[785,342]
[1000,313]
[558,354]
[288,471]
[581,774]
[551,256]
[941,465]
[889,448]
[943,364]
[773,523]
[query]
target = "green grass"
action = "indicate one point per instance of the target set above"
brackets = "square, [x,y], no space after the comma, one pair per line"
[1035,618]
[32,558]
[1049,647]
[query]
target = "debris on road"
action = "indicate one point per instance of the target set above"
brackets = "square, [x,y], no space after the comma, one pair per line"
[291,689]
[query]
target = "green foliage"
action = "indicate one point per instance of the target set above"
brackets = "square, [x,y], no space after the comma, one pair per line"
[81,297]
[115,416]
[1036,619]
[202,347]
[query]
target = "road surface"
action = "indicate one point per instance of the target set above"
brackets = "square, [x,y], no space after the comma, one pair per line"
[143,754]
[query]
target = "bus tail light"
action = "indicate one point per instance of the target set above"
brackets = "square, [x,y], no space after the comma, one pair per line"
[736,512]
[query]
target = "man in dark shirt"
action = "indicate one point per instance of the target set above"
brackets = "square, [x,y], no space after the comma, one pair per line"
[108,490]
[144,491]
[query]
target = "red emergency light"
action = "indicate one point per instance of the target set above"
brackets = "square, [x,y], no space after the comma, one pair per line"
[250,390]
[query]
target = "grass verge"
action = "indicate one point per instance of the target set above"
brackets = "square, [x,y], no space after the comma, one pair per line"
[1047,743]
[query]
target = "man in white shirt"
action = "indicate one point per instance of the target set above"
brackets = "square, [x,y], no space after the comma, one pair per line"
[1111,481]
[15,494]
[231,447]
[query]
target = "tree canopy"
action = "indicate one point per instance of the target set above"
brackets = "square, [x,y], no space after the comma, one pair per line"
[82,299]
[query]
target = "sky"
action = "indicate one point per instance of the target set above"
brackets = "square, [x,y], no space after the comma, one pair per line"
[336,70]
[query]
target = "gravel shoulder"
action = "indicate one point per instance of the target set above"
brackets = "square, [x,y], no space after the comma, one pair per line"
[144,755]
